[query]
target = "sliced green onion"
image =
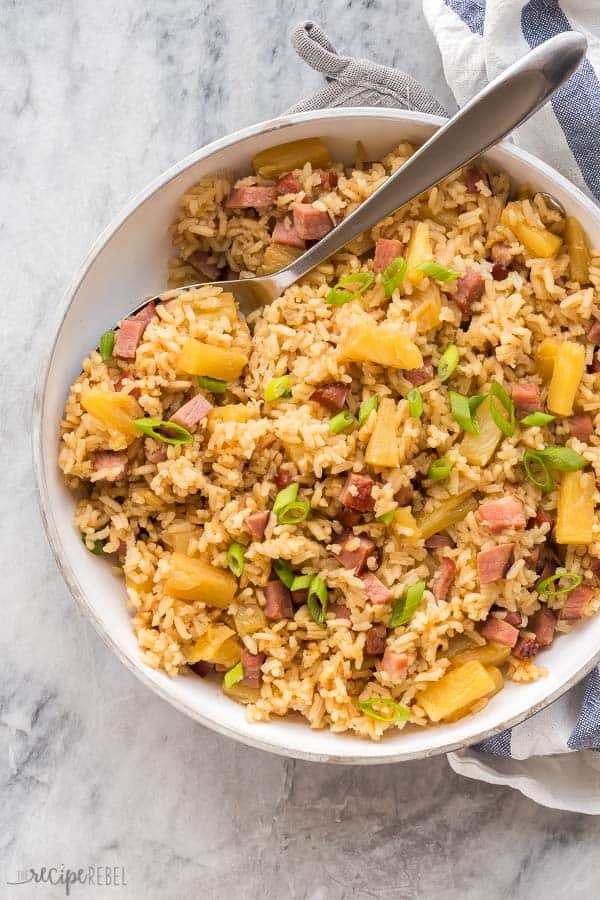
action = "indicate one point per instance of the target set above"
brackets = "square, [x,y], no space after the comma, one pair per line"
[283,572]
[341,421]
[415,403]
[98,547]
[387,518]
[278,388]
[462,410]
[317,600]
[573,579]
[537,418]
[506,425]
[179,435]
[406,606]
[235,559]
[440,469]
[366,407]
[213,385]
[435,270]
[394,275]
[107,344]
[448,362]
[349,288]
[531,460]
[233,676]
[563,459]
[301,582]
[398,713]
[294,513]
[285,496]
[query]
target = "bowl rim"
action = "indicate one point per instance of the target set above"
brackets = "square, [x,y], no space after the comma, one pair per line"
[135,665]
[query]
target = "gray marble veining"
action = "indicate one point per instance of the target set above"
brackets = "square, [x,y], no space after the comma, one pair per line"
[97,98]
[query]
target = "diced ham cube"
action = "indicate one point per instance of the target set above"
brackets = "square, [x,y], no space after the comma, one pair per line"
[595,567]
[299,597]
[593,334]
[526,648]
[501,253]
[121,383]
[595,364]
[394,664]
[375,640]
[231,275]
[543,623]
[375,590]
[499,272]
[201,263]
[500,631]
[192,412]
[283,478]
[576,603]
[202,668]
[422,375]
[355,558]
[356,493]
[494,563]
[469,288]
[533,558]
[288,184]
[278,601]
[332,395]
[250,198]
[386,250]
[251,663]
[257,523]
[285,233]
[128,337]
[581,426]
[439,541]
[311,223]
[513,617]
[329,180]
[349,517]
[475,177]
[112,464]
[154,451]
[507,512]
[340,611]
[146,314]
[443,578]
[526,397]
[542,518]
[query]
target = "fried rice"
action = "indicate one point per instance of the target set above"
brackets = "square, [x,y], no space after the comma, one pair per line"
[148,506]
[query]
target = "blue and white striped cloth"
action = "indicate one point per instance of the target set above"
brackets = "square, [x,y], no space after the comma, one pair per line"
[477,40]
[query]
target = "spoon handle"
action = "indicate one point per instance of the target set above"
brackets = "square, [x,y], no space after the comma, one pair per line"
[506,102]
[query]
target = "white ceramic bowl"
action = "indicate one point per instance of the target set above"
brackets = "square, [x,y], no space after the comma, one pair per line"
[128,262]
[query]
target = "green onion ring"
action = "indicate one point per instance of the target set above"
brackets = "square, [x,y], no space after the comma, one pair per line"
[574,579]
[402,713]
[235,559]
[317,600]
[149,427]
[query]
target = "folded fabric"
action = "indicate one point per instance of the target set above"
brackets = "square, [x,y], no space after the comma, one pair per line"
[566,135]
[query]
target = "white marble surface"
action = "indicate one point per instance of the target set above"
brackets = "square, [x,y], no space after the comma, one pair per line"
[98,97]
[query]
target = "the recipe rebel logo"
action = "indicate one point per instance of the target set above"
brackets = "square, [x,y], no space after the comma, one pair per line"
[90,876]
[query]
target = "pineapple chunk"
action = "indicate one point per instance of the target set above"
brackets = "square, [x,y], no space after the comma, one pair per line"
[233,412]
[221,305]
[579,254]
[276,161]
[498,680]
[278,256]
[539,242]
[193,579]
[218,644]
[575,513]
[249,619]
[427,313]
[178,535]
[382,449]
[198,358]
[568,370]
[478,449]
[114,410]
[447,513]
[457,690]
[419,251]
[406,522]
[545,356]
[491,654]
[386,344]
[242,693]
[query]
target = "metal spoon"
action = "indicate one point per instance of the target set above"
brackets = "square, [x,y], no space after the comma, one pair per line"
[489,116]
